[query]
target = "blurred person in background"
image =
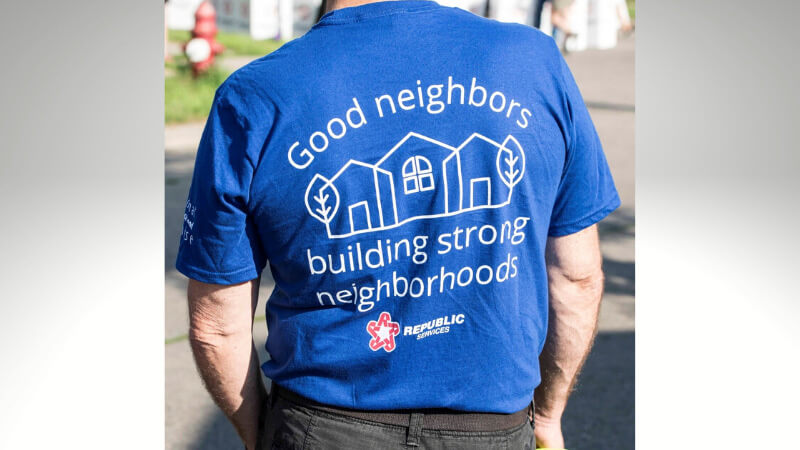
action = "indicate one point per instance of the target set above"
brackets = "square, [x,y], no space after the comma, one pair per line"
[581,24]
[624,16]
[537,6]
[561,18]
[424,185]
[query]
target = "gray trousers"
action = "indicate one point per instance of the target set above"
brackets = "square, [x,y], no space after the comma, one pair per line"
[291,426]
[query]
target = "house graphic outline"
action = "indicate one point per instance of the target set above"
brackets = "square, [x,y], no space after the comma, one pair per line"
[381,209]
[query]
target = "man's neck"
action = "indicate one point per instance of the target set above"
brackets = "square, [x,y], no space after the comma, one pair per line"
[332,5]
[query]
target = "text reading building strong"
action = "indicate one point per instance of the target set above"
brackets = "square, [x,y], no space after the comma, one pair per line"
[419,178]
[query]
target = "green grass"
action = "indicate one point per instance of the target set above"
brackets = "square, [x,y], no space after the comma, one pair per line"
[239,44]
[187,98]
[175,339]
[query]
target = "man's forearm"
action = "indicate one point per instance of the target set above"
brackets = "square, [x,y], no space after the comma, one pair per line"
[230,370]
[574,307]
[221,336]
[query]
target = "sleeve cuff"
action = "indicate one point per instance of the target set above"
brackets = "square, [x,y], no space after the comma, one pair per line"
[226,278]
[591,219]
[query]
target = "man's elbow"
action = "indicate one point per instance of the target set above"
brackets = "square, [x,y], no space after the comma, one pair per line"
[204,334]
[590,282]
[218,314]
[587,285]
[208,332]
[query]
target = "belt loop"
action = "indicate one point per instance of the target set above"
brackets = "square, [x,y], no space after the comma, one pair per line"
[531,412]
[273,395]
[414,429]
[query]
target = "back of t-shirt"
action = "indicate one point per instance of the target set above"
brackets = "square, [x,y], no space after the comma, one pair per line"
[400,168]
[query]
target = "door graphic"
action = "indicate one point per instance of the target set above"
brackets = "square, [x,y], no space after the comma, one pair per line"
[480,192]
[359,217]
[419,178]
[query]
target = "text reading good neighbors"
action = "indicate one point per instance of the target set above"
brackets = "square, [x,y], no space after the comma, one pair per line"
[433,99]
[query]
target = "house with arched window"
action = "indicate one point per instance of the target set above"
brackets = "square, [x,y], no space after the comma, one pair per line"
[418,178]
[421,185]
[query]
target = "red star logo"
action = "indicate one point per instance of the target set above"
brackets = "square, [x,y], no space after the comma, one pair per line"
[383,332]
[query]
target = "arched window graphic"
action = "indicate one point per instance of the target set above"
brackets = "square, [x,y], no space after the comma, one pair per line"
[417,175]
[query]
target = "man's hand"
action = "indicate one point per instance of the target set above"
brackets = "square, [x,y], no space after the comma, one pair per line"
[548,432]
[575,280]
[221,336]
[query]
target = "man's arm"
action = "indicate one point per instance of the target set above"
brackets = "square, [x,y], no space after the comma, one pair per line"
[221,336]
[575,279]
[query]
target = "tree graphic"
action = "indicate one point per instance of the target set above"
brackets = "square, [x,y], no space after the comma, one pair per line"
[322,199]
[510,162]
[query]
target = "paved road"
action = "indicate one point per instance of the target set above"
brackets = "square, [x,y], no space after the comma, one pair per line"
[600,413]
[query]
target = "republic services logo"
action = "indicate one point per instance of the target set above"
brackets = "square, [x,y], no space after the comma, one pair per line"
[383,332]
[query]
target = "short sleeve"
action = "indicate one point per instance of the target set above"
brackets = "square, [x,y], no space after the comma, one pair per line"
[586,193]
[219,243]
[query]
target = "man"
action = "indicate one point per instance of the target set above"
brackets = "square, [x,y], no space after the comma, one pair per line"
[424,184]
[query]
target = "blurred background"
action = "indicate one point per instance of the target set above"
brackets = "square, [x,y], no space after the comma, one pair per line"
[205,41]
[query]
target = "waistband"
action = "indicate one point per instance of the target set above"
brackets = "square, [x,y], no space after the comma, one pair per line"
[428,419]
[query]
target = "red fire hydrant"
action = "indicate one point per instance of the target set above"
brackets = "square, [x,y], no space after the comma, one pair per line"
[203,46]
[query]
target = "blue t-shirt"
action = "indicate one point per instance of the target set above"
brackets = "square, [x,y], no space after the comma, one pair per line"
[400,168]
